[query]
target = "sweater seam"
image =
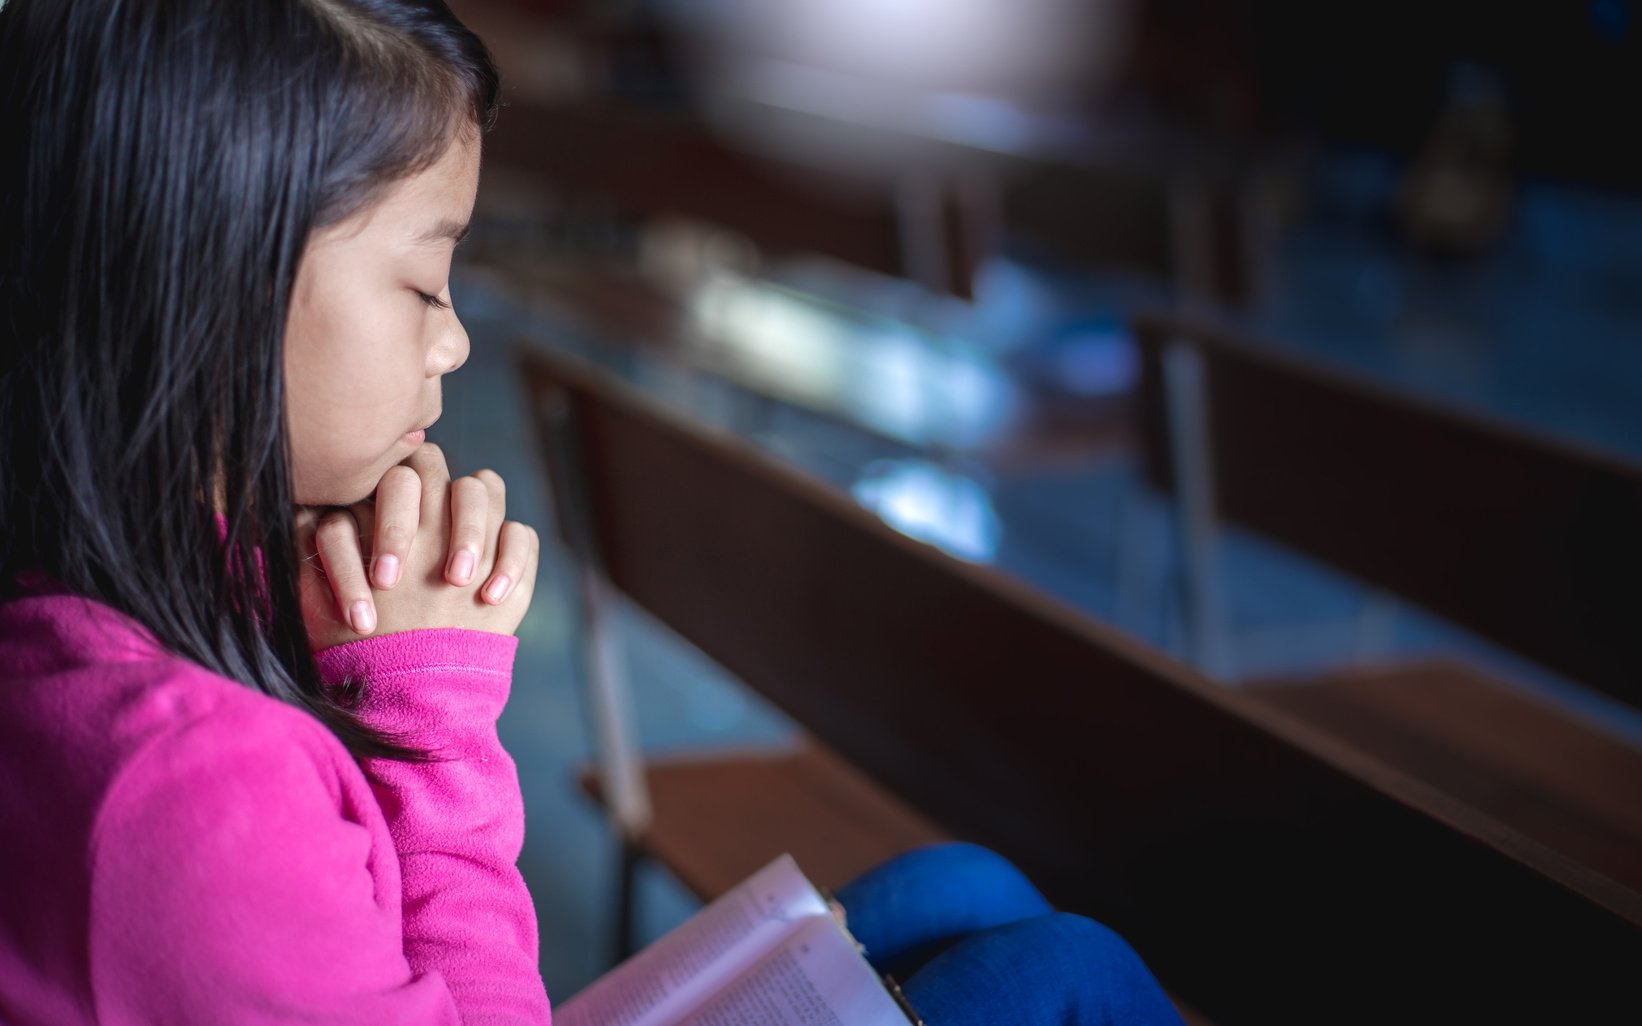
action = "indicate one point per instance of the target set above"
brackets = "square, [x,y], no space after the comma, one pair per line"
[379,675]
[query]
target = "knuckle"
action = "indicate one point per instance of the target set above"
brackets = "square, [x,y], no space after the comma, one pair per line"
[334,528]
[344,577]
[517,547]
[469,489]
[400,477]
[428,461]
[469,527]
[493,484]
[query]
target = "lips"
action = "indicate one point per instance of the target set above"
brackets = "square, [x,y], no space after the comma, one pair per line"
[418,435]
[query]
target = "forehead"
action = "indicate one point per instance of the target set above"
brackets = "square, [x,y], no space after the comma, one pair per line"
[429,207]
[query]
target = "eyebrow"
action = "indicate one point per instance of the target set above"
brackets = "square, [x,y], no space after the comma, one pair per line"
[456,231]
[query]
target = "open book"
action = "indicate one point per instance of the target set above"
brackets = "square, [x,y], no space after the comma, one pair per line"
[769,953]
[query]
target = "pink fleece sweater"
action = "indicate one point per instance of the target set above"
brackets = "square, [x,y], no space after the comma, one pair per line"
[176,848]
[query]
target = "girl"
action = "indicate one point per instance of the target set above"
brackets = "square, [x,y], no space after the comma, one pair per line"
[242,779]
[229,227]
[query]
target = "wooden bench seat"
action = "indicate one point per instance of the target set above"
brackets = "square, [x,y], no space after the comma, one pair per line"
[1508,754]
[721,815]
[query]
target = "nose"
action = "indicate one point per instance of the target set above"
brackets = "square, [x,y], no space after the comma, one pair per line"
[451,349]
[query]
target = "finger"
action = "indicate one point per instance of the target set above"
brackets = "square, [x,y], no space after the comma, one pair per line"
[527,585]
[495,513]
[307,522]
[469,515]
[515,545]
[307,526]
[364,517]
[398,511]
[429,463]
[337,539]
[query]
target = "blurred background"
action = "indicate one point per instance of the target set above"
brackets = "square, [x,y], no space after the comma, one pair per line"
[902,246]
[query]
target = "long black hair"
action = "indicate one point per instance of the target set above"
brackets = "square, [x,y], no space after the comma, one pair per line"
[162,164]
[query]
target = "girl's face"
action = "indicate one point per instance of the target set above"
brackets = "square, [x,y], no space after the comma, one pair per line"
[370,330]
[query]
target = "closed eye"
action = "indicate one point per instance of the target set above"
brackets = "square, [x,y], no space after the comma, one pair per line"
[432,300]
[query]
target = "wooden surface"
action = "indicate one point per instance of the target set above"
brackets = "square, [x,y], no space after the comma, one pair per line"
[720,816]
[1263,868]
[1529,542]
[1508,754]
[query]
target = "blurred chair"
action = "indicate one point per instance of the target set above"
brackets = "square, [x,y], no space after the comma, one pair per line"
[1533,544]
[1138,210]
[1205,236]
[650,162]
[1267,872]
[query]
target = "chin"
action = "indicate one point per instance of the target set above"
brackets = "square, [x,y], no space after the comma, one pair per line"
[344,486]
[338,492]
[333,497]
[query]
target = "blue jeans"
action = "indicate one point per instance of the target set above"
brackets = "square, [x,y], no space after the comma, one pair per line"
[973,942]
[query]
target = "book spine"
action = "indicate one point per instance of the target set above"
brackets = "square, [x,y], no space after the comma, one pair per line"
[901,1000]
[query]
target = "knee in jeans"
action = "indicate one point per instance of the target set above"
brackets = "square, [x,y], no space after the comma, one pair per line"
[1084,939]
[967,852]
[1059,967]
[1073,930]
[965,859]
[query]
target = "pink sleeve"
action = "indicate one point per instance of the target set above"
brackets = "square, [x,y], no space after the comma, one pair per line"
[457,823]
[231,883]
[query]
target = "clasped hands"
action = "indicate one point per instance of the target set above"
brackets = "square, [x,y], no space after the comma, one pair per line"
[423,551]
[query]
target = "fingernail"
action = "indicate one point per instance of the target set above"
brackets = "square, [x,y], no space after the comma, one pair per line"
[498,588]
[387,570]
[362,617]
[461,566]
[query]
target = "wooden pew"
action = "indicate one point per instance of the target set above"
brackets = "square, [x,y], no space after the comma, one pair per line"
[1266,871]
[1505,753]
[1160,216]
[655,162]
[1528,542]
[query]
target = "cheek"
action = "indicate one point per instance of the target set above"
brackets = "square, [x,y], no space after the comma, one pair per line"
[353,386]
[331,447]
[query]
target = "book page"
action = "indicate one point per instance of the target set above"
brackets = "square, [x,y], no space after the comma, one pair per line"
[815,977]
[668,979]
